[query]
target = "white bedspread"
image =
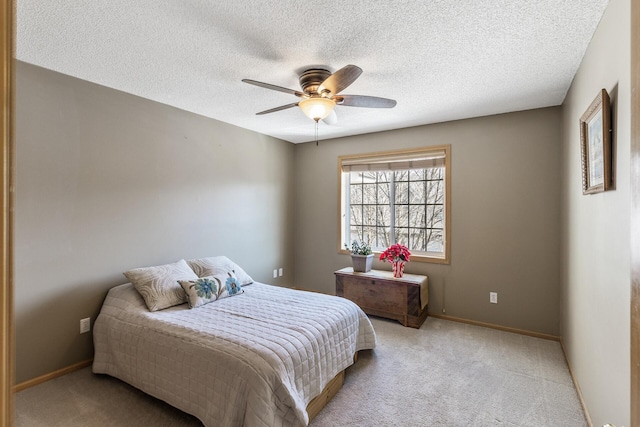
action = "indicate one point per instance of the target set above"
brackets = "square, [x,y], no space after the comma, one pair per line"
[255,359]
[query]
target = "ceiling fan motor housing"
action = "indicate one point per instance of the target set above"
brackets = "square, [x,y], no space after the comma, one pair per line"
[312,78]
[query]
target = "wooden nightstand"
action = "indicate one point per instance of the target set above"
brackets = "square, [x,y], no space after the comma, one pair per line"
[380,294]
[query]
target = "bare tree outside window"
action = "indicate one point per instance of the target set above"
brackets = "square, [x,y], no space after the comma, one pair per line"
[401,206]
[400,196]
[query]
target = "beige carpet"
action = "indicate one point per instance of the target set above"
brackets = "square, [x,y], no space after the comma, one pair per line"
[444,374]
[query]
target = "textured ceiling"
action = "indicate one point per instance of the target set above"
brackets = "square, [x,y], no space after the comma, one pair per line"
[441,60]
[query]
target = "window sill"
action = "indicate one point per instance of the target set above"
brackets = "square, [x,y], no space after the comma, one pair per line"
[433,259]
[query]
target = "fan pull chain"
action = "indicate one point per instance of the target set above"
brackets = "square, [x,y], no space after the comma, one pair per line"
[316,132]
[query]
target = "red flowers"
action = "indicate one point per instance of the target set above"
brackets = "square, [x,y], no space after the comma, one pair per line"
[396,252]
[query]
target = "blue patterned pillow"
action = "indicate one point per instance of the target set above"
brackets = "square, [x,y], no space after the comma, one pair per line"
[210,288]
[232,286]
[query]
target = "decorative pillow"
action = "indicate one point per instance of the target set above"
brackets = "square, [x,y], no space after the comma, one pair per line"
[212,266]
[209,289]
[159,285]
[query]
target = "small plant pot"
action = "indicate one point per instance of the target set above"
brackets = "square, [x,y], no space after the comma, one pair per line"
[362,263]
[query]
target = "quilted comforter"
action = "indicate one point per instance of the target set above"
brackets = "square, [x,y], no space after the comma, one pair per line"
[255,359]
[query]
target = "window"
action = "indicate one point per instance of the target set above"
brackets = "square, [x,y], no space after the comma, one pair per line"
[398,197]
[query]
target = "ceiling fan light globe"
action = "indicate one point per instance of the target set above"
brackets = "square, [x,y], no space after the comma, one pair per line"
[317,108]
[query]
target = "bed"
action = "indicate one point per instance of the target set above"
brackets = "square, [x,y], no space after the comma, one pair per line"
[255,359]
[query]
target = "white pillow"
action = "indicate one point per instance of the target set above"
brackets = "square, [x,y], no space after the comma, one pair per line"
[159,285]
[219,265]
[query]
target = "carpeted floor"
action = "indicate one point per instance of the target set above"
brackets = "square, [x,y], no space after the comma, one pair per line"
[444,374]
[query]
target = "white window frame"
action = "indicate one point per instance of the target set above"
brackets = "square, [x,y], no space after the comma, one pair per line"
[398,160]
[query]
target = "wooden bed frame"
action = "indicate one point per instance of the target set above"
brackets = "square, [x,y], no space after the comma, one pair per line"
[332,388]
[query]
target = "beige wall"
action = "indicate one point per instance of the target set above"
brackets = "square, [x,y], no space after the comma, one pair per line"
[596,247]
[107,181]
[505,216]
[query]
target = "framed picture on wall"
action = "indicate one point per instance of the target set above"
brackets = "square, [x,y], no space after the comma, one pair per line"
[595,144]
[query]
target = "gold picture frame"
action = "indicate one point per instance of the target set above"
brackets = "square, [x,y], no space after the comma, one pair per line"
[595,144]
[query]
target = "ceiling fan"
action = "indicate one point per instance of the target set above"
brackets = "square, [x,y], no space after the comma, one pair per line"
[321,93]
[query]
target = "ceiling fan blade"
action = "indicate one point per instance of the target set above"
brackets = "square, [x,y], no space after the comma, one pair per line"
[331,119]
[273,110]
[364,101]
[341,79]
[274,87]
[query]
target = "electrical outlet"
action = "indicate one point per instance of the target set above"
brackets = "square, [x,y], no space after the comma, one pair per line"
[85,325]
[275,273]
[493,297]
[280,272]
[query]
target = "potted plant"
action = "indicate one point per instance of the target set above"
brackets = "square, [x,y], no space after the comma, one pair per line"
[398,255]
[361,256]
